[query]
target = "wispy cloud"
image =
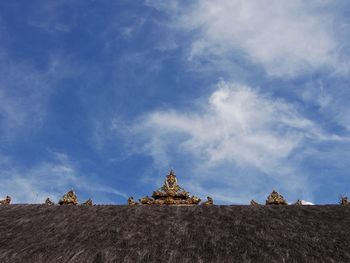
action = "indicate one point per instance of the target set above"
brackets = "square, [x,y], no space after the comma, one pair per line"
[130,60]
[237,129]
[25,92]
[50,179]
[287,39]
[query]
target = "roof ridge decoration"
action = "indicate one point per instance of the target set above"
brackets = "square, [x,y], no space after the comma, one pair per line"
[254,203]
[88,202]
[276,199]
[209,201]
[344,200]
[70,198]
[131,201]
[298,202]
[170,194]
[49,202]
[6,201]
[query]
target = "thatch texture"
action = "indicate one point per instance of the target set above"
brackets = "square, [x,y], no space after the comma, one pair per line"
[39,233]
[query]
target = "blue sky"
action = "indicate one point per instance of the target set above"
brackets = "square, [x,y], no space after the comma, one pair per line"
[239,98]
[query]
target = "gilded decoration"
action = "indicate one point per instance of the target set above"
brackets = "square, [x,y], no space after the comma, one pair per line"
[170,194]
[275,199]
[88,202]
[209,201]
[49,202]
[344,200]
[254,203]
[131,201]
[298,202]
[70,198]
[6,201]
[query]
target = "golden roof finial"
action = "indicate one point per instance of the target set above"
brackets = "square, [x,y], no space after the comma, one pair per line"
[275,199]
[6,201]
[209,201]
[49,202]
[170,194]
[344,200]
[131,201]
[70,198]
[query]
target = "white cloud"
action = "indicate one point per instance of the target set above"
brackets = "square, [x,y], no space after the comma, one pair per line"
[306,202]
[49,179]
[238,124]
[237,132]
[286,38]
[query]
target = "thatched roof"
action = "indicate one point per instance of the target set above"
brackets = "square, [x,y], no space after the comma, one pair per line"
[39,233]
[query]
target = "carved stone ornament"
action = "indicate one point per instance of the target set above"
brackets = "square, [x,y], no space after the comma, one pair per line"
[146,200]
[49,202]
[6,201]
[254,203]
[298,202]
[88,202]
[131,201]
[209,201]
[170,194]
[275,199]
[344,200]
[70,198]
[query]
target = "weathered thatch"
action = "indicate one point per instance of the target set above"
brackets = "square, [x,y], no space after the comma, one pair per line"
[40,233]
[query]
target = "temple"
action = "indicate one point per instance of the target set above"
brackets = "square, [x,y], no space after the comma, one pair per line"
[169,194]
[275,199]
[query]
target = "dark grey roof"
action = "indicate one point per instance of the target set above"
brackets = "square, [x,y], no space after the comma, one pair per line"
[39,233]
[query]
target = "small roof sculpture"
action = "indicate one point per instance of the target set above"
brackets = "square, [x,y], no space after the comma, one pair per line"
[88,202]
[275,199]
[131,201]
[298,202]
[254,203]
[6,201]
[344,200]
[169,194]
[49,202]
[209,201]
[70,198]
